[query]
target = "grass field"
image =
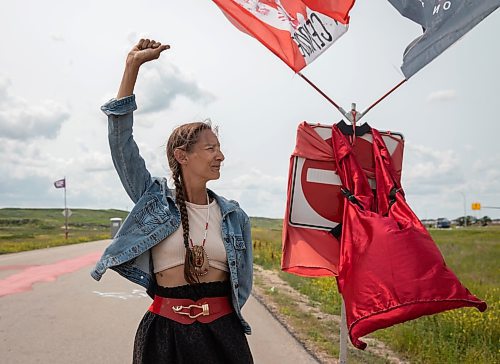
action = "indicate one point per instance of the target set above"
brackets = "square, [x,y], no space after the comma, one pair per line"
[27,229]
[457,336]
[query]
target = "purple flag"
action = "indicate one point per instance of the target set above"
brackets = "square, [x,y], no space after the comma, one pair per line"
[61,183]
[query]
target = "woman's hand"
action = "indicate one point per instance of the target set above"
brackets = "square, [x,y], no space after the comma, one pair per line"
[144,51]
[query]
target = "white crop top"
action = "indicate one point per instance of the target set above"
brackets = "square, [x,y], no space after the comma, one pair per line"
[170,252]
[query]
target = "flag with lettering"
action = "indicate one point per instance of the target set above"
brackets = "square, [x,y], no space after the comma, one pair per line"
[443,23]
[60,183]
[297,31]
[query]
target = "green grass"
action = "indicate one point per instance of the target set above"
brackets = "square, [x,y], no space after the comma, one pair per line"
[28,229]
[457,336]
[324,334]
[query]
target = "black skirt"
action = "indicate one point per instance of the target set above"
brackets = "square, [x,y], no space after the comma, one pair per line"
[161,340]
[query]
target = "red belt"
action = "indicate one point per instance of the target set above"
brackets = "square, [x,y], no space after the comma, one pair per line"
[186,311]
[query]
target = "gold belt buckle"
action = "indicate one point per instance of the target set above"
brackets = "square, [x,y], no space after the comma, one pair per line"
[205,311]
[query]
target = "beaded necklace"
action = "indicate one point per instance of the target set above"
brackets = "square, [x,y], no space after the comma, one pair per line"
[198,255]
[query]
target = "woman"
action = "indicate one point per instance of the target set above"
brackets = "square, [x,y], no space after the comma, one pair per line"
[190,248]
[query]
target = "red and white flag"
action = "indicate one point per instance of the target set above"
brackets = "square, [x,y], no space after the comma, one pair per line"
[61,183]
[297,31]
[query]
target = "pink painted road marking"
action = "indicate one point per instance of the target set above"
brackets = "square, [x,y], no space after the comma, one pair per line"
[24,280]
[15,267]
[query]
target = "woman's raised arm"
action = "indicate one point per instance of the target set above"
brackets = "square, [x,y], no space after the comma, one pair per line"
[144,51]
[127,160]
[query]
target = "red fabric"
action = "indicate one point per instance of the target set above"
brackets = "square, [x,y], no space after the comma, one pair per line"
[307,250]
[335,9]
[390,269]
[297,31]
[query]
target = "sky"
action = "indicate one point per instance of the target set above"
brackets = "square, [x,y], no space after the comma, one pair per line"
[60,61]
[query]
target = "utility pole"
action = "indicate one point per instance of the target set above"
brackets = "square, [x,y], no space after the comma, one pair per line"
[65,212]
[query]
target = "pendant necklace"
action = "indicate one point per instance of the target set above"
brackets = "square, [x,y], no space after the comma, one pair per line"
[198,256]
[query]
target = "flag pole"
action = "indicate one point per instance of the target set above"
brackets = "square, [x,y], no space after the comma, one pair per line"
[343,334]
[65,212]
[339,108]
[383,97]
[354,113]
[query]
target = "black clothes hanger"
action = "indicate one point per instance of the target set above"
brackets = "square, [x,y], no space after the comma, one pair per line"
[346,129]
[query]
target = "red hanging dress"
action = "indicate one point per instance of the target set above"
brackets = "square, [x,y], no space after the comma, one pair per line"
[314,202]
[390,269]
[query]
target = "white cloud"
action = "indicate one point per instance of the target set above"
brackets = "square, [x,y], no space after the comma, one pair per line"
[20,159]
[440,182]
[259,101]
[163,83]
[20,119]
[259,194]
[486,176]
[57,37]
[5,83]
[427,170]
[28,170]
[442,95]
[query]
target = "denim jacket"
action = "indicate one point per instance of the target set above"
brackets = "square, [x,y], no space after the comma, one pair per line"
[155,216]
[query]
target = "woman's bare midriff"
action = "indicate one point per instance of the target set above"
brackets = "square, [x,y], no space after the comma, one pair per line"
[174,277]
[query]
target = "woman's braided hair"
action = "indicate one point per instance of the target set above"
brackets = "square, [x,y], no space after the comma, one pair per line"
[184,137]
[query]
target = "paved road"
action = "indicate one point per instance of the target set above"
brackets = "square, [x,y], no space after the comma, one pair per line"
[74,319]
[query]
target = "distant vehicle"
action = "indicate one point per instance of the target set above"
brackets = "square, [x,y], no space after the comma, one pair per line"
[443,223]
